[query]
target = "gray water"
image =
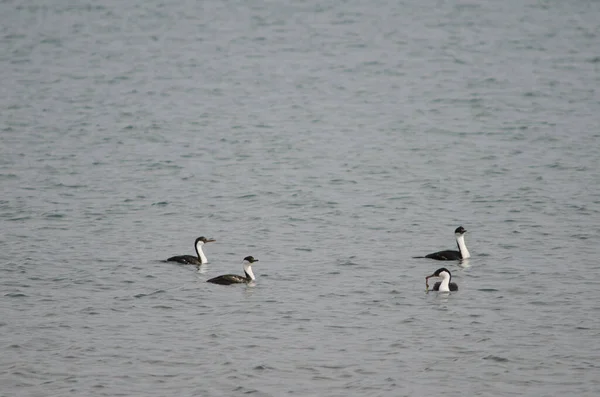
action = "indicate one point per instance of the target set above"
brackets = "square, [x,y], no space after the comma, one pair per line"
[331,140]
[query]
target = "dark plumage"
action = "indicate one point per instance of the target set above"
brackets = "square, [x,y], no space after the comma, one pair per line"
[185,260]
[451,286]
[448,255]
[228,279]
[451,255]
[193,260]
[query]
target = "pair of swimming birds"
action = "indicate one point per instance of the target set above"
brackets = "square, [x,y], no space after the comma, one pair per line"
[446,285]
[443,286]
[200,259]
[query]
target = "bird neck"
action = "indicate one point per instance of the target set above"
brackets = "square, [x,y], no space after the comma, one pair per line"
[200,253]
[445,284]
[462,247]
[248,271]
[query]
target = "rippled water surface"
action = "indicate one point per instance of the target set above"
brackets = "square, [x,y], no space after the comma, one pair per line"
[331,140]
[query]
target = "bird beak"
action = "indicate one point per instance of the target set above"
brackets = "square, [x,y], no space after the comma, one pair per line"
[427,282]
[210,240]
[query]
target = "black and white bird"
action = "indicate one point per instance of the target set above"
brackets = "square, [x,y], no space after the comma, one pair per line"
[451,255]
[446,285]
[228,279]
[198,260]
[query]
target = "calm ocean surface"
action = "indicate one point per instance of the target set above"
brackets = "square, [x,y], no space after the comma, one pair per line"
[331,140]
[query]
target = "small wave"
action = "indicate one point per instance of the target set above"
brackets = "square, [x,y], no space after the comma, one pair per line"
[70,186]
[15,295]
[55,216]
[496,358]
[160,291]
[19,218]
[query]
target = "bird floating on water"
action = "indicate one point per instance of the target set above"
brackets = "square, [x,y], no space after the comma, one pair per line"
[451,255]
[228,279]
[198,260]
[446,285]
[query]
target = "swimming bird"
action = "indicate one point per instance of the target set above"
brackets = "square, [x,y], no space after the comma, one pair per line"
[450,255]
[194,260]
[228,279]
[445,285]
